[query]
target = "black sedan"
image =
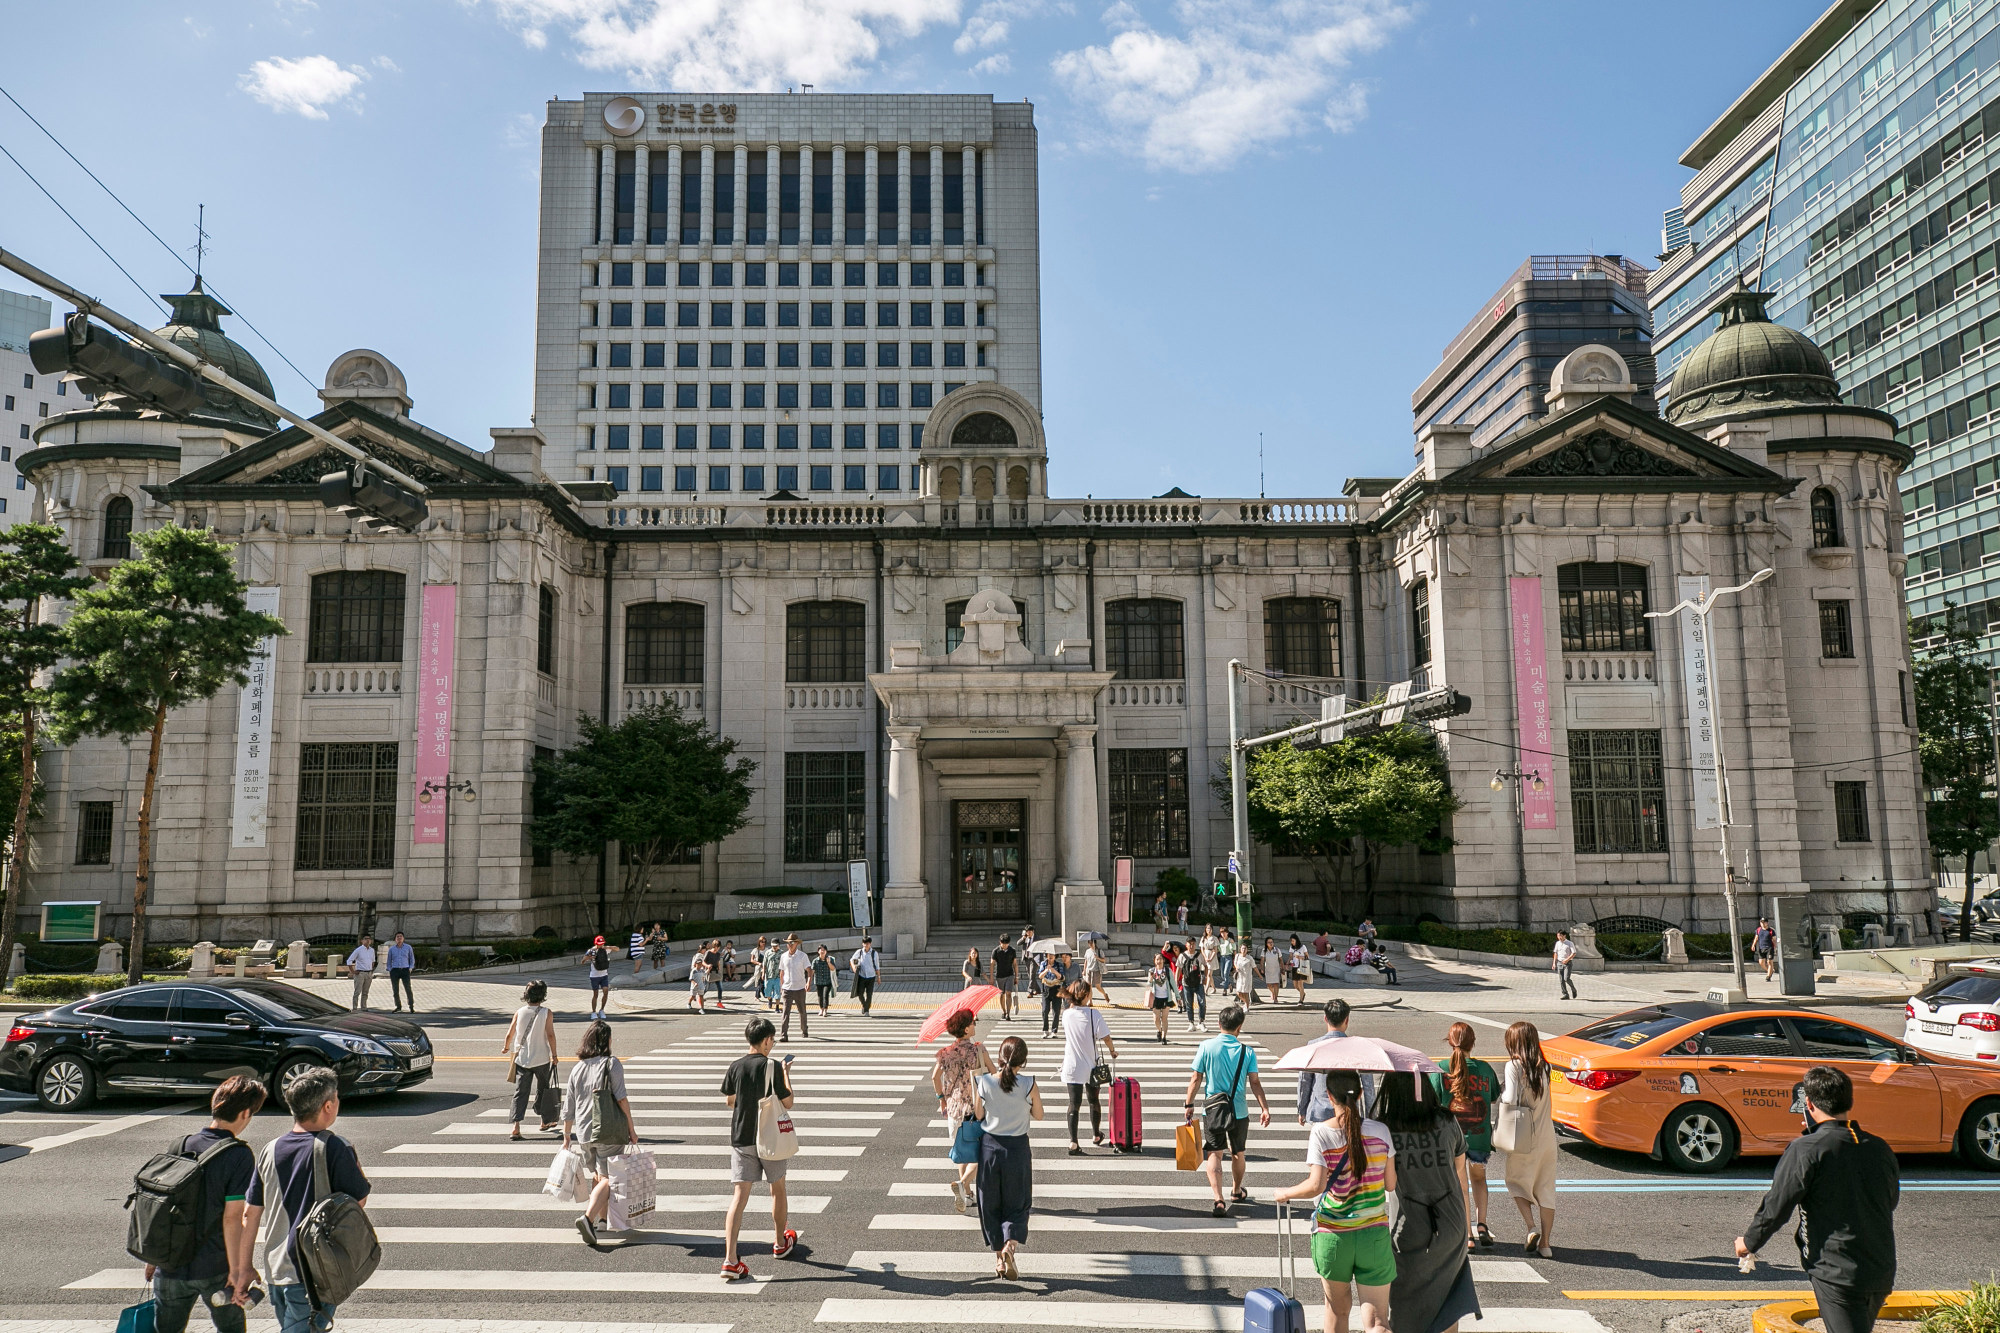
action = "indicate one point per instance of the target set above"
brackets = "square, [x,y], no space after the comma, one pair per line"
[185,1037]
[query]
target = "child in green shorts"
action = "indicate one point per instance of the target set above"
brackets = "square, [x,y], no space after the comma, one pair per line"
[1351,1220]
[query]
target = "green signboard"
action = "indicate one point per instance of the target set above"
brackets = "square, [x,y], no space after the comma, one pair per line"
[69,921]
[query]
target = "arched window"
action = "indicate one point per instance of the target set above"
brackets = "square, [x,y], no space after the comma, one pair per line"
[1302,636]
[357,616]
[118,528]
[984,428]
[1825,518]
[1603,608]
[826,643]
[1142,639]
[664,643]
[545,632]
[954,622]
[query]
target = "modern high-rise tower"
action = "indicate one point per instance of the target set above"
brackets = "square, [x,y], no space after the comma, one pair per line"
[750,292]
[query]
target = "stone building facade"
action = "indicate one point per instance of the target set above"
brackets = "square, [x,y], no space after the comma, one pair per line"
[988,693]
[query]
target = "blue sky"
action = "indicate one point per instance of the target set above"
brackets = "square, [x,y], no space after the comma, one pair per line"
[1257,215]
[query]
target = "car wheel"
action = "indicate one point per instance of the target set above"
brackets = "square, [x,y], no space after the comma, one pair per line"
[1979,1135]
[1698,1138]
[66,1083]
[289,1073]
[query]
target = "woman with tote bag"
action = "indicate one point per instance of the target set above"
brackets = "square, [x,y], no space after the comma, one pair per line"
[1526,1132]
[598,1114]
[952,1077]
[1006,1103]
[531,1037]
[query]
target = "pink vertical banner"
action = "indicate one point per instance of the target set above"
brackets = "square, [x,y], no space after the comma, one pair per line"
[436,661]
[1121,886]
[1531,700]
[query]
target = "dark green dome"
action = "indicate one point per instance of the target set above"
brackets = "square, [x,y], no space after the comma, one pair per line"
[197,326]
[1750,365]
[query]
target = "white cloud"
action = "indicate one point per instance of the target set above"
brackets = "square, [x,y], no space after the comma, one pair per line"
[384,63]
[716,44]
[997,63]
[307,86]
[1241,74]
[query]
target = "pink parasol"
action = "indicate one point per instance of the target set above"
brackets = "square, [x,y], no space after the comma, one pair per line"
[1370,1054]
[973,998]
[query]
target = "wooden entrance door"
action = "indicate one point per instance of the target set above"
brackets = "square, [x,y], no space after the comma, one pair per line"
[987,841]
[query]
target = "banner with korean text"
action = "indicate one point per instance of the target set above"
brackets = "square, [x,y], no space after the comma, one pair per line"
[249,809]
[436,662]
[1695,684]
[1536,734]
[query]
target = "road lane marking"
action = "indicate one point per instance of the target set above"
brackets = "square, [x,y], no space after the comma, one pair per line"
[1117,1265]
[668,1149]
[711,1111]
[376,1172]
[472,1280]
[567,1236]
[1193,1318]
[678,1131]
[350,1324]
[102,1128]
[542,1203]
[1122,1162]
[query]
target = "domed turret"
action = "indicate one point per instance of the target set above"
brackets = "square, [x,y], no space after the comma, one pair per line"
[1750,365]
[197,326]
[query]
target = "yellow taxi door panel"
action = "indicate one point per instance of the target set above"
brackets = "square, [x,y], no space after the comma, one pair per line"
[1743,1066]
[1893,1098]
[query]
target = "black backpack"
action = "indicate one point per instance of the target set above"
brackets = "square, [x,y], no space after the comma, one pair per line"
[165,1203]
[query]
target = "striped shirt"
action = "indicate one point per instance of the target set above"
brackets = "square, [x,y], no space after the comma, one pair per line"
[1347,1205]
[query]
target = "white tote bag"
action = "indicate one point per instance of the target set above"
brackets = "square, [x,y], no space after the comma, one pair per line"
[634,1181]
[777,1138]
[563,1172]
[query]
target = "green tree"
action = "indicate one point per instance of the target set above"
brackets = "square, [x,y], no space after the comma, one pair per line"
[1955,746]
[165,629]
[36,567]
[657,783]
[1345,803]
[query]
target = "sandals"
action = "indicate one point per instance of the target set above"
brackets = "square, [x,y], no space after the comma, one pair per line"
[515,1137]
[1221,1208]
[1533,1243]
[1241,1196]
[1013,1270]
[1075,1151]
[1097,1139]
[1483,1236]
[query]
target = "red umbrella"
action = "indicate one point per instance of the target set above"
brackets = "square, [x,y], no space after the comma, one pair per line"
[972,998]
[1359,1053]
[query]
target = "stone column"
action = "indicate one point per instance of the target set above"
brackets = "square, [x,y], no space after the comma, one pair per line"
[903,197]
[905,901]
[673,152]
[870,157]
[773,214]
[607,195]
[1081,904]
[968,164]
[641,184]
[838,157]
[708,194]
[742,197]
[937,201]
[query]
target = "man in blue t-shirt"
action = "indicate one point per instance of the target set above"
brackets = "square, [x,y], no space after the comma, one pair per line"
[1225,1067]
[284,1183]
[221,1263]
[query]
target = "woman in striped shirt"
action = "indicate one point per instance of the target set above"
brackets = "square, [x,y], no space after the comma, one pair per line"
[1351,1220]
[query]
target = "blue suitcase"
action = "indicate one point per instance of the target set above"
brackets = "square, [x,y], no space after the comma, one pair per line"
[1270,1309]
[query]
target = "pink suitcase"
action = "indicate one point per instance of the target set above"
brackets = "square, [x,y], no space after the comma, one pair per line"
[1128,1125]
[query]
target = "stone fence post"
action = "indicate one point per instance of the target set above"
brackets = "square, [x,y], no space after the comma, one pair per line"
[1673,946]
[110,958]
[201,961]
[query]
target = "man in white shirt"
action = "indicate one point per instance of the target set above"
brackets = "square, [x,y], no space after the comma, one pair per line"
[361,966]
[794,972]
[867,966]
[1564,955]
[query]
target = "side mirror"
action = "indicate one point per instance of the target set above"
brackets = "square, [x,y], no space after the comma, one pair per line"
[236,1018]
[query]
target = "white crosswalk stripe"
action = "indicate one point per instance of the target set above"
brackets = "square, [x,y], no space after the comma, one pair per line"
[380,1200]
[1043,1313]
[797,1175]
[681,1131]
[401,1324]
[1114,1265]
[658,1149]
[503,1279]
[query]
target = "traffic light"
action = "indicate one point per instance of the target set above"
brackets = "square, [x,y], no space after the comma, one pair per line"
[380,503]
[1219,876]
[108,364]
[1441,702]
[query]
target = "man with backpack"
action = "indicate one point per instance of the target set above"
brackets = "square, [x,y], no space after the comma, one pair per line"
[597,965]
[294,1173]
[189,1215]
[1222,1067]
[745,1084]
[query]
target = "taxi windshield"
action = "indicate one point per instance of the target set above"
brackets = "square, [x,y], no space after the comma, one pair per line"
[1624,1031]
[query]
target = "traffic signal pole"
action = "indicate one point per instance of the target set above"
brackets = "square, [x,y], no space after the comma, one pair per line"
[185,359]
[1239,808]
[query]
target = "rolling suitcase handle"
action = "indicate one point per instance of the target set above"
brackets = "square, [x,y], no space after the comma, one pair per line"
[1288,1251]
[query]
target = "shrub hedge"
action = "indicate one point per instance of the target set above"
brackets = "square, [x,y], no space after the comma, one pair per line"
[58,989]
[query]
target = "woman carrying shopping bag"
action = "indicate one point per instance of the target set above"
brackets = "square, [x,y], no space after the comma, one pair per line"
[1526,1132]
[1160,997]
[1006,1103]
[952,1077]
[823,978]
[1274,968]
[531,1038]
[1299,963]
[597,1114]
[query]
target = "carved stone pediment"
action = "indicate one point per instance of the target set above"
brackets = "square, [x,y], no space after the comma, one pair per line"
[1602,454]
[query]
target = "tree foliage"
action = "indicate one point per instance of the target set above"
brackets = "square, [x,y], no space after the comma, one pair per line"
[1955,745]
[165,629]
[1342,804]
[36,568]
[656,782]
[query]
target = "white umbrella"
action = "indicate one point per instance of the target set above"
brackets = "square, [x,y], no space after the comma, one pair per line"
[1369,1054]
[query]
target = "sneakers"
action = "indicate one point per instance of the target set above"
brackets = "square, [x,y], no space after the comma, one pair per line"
[588,1230]
[736,1272]
[784,1245]
[958,1197]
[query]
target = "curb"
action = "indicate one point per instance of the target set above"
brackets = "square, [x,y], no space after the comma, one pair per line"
[1902,1306]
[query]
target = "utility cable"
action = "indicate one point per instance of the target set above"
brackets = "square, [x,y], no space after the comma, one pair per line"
[178,256]
[85,230]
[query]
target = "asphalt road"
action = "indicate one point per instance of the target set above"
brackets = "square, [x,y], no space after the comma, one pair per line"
[1115,1242]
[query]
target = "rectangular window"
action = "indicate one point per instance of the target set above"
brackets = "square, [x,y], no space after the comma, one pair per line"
[1836,630]
[887,275]
[788,478]
[1850,811]
[954,275]
[718,436]
[886,395]
[722,275]
[854,435]
[822,275]
[1302,636]
[954,354]
[347,806]
[954,314]
[753,478]
[621,314]
[854,200]
[684,478]
[920,314]
[656,275]
[788,354]
[788,198]
[653,395]
[753,314]
[621,356]
[684,436]
[687,314]
[652,437]
[690,197]
[684,395]
[617,437]
[356,616]
[920,355]
[920,275]
[826,806]
[916,434]
[1603,608]
[687,354]
[822,395]
[545,632]
[753,395]
[822,314]
[920,395]
[854,395]
[718,479]
[854,354]
[788,437]
[93,833]
[888,436]
[618,395]
[620,478]
[889,477]
[753,436]
[719,395]
[854,477]
[886,314]
[822,476]
[788,275]
[1616,788]
[753,354]
[1420,623]
[721,315]
[854,314]
[854,275]
[885,355]
[788,395]
[1148,793]
[788,314]
[719,354]
[656,354]
[652,478]
[822,354]
[688,275]
[1143,639]
[656,314]
[954,205]
[826,643]
[822,438]
[621,275]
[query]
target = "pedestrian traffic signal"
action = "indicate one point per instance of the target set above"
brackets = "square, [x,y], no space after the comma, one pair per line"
[108,365]
[379,503]
[1219,876]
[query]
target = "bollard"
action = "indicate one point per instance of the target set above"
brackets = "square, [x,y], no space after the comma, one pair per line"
[18,964]
[201,961]
[1673,946]
[296,958]
[242,962]
[110,958]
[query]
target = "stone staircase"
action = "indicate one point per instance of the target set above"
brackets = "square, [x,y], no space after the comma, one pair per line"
[936,965]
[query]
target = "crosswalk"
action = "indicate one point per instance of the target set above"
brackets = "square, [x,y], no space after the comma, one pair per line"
[1118,1241]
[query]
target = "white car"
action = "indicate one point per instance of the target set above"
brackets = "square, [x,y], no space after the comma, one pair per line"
[1958,1016]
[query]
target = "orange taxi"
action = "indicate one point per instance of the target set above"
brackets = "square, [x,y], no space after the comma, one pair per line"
[1696,1084]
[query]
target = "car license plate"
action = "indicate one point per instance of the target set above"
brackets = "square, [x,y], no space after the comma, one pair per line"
[1940,1029]
[420,1062]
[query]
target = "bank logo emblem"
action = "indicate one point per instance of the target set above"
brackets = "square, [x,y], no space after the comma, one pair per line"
[624,117]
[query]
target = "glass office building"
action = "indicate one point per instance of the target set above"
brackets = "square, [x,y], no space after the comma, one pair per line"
[1854,181]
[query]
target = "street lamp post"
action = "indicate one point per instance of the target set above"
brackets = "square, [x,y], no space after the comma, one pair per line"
[1522,779]
[444,791]
[1702,606]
